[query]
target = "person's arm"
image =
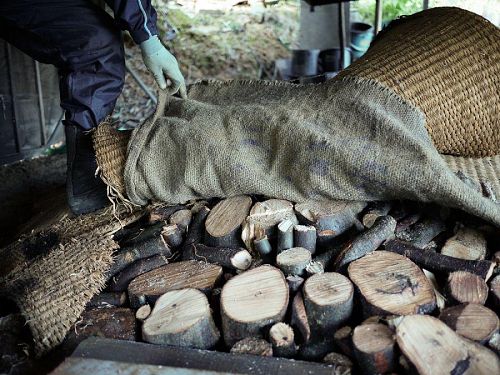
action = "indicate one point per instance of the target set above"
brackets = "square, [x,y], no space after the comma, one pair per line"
[139,18]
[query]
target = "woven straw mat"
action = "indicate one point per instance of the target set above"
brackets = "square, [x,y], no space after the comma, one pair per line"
[445,61]
[51,288]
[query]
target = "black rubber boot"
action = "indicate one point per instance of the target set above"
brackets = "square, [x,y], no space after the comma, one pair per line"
[86,191]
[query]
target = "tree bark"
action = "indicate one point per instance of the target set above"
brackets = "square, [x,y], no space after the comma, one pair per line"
[366,242]
[294,283]
[162,212]
[195,232]
[110,299]
[285,235]
[467,243]
[253,346]
[465,287]
[147,287]
[148,243]
[472,321]
[172,235]
[374,348]
[293,261]
[222,227]
[341,363]
[328,299]
[182,219]
[375,210]
[181,318]
[120,281]
[342,338]
[283,340]
[434,349]
[436,262]
[299,318]
[251,301]
[264,248]
[263,219]
[305,236]
[391,284]
[234,258]
[337,216]
[423,232]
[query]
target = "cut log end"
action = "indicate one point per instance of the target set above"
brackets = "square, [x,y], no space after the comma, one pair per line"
[466,287]
[143,312]
[283,340]
[328,298]
[472,321]
[181,318]
[392,284]
[374,348]
[252,300]
[293,261]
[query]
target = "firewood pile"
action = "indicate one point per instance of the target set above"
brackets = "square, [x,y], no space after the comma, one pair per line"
[381,287]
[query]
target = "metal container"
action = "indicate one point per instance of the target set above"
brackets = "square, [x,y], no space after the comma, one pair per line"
[304,62]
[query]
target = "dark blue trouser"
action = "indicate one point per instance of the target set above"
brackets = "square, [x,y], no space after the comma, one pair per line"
[82,41]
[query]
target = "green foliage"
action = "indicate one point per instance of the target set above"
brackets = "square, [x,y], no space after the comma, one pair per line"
[391,9]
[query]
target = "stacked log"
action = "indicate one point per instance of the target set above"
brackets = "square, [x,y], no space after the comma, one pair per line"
[341,282]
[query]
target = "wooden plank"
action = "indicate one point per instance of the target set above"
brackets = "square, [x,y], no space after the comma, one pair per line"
[78,366]
[7,135]
[136,352]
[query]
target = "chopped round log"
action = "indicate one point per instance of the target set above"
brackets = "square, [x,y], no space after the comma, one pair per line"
[263,218]
[305,236]
[467,243]
[143,312]
[342,339]
[182,219]
[391,284]
[471,320]
[109,299]
[147,287]
[376,210]
[325,239]
[285,235]
[120,281]
[172,235]
[251,301]
[195,232]
[294,283]
[436,262]
[423,232]
[299,318]
[466,287]
[337,216]
[162,212]
[293,261]
[264,248]
[374,348]
[328,298]
[366,242]
[234,258]
[222,226]
[495,291]
[341,363]
[253,346]
[324,261]
[283,340]
[181,318]
[435,349]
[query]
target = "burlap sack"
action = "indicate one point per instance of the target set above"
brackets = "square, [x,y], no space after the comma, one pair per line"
[373,133]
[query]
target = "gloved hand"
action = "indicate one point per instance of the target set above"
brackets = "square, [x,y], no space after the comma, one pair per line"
[163,64]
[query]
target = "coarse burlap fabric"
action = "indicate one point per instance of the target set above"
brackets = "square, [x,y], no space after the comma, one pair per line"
[361,136]
[51,275]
